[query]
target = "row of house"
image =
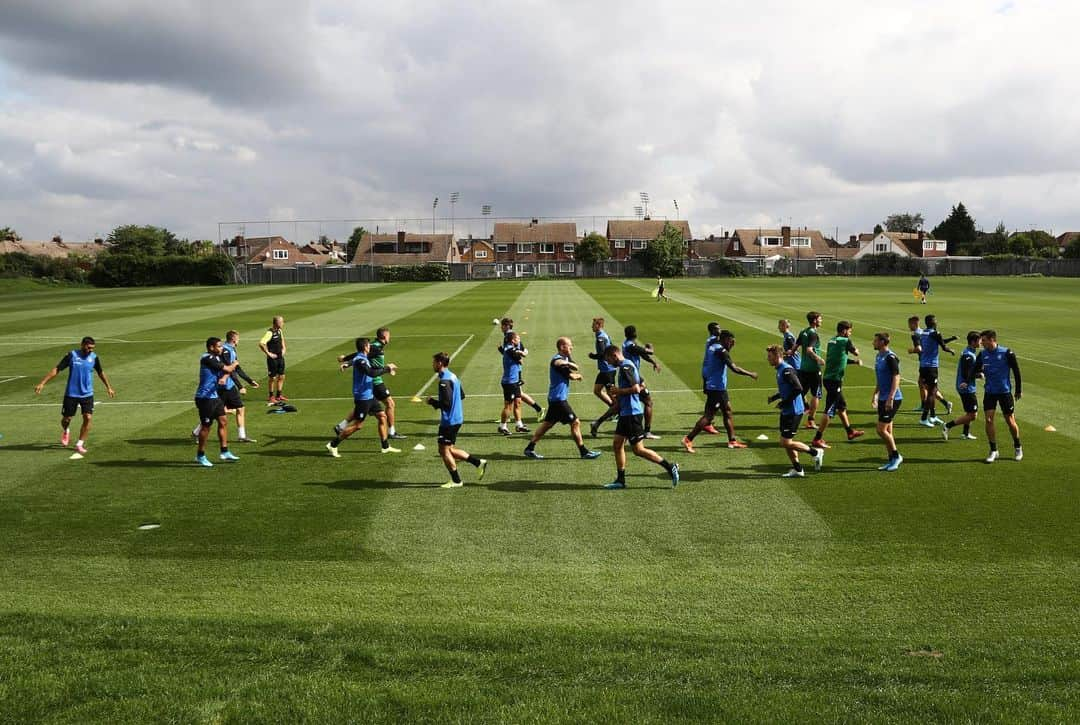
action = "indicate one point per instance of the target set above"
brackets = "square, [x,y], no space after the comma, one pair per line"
[537,247]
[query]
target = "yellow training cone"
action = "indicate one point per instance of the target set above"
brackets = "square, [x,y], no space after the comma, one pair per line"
[416,399]
[1050,429]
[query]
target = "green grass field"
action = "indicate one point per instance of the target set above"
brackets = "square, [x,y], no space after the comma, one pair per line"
[292,586]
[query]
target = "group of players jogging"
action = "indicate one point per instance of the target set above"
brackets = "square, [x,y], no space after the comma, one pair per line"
[803,377]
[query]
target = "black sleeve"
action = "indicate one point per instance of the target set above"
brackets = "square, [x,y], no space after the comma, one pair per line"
[563,370]
[967,369]
[978,366]
[851,348]
[640,352]
[942,341]
[1014,365]
[517,355]
[894,365]
[97,365]
[446,395]
[349,357]
[65,362]
[792,379]
[240,374]
[214,363]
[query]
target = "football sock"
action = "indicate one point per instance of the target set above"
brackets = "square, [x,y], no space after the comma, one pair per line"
[1016,442]
[583,449]
[993,446]
[384,443]
[392,431]
[967,429]
[848,428]
[519,423]
[536,407]
[344,423]
[815,452]
[225,449]
[473,460]
[195,431]
[334,443]
[530,446]
[818,435]
[621,475]
[952,424]
[81,442]
[242,431]
[455,476]
[666,465]
[797,466]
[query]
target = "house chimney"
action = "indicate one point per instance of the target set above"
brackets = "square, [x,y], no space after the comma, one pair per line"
[785,232]
[400,240]
[852,239]
[535,222]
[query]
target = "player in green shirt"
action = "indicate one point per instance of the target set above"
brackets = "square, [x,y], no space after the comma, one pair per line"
[836,362]
[810,362]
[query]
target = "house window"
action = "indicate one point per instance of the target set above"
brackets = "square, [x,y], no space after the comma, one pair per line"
[568,248]
[941,247]
[638,244]
[281,254]
[480,254]
[566,266]
[800,241]
[880,247]
[502,247]
[384,247]
[735,246]
[546,248]
[771,241]
[928,244]
[417,248]
[524,248]
[620,244]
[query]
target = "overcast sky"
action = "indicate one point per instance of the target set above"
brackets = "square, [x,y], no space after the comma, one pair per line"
[186,113]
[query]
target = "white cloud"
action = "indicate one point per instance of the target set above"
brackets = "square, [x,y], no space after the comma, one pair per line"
[832,115]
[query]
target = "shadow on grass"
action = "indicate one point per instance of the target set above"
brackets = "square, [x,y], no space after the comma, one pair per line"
[360,485]
[525,486]
[34,447]
[180,440]
[147,464]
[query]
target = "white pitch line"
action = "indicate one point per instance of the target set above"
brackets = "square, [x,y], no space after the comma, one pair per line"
[9,378]
[434,377]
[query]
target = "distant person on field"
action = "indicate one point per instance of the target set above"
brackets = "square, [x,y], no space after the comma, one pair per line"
[451,416]
[967,386]
[923,286]
[660,290]
[81,365]
[996,362]
[273,346]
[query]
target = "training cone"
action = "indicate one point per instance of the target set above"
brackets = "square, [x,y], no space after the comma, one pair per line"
[763,437]
[1050,429]
[416,399]
[419,447]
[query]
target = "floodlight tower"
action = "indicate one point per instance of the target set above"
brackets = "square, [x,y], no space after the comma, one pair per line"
[485,211]
[676,203]
[645,202]
[639,212]
[433,205]
[454,196]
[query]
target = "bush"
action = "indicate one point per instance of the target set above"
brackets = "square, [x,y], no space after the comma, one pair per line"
[128,270]
[728,268]
[20,264]
[416,273]
[889,263]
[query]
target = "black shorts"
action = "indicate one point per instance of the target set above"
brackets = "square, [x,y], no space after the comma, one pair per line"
[210,409]
[810,380]
[716,400]
[970,402]
[363,408]
[928,376]
[72,404]
[886,416]
[789,425]
[606,379]
[231,398]
[448,434]
[834,397]
[275,366]
[381,391]
[1005,400]
[511,392]
[559,411]
[631,427]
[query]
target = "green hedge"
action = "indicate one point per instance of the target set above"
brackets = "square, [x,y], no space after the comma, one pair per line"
[728,268]
[127,270]
[20,264]
[888,263]
[416,273]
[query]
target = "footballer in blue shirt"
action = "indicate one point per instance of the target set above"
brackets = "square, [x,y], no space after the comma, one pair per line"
[81,365]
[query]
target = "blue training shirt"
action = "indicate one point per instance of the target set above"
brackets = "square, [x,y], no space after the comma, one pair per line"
[602,342]
[995,368]
[794,406]
[967,359]
[449,382]
[228,357]
[362,386]
[628,375]
[929,348]
[81,369]
[716,360]
[885,366]
[790,344]
[210,369]
[558,379]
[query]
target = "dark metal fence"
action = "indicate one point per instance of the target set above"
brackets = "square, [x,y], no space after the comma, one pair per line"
[259,274]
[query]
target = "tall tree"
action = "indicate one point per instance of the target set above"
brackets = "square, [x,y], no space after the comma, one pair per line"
[353,243]
[7,234]
[664,255]
[148,241]
[593,249]
[1072,249]
[958,229]
[905,222]
[878,229]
